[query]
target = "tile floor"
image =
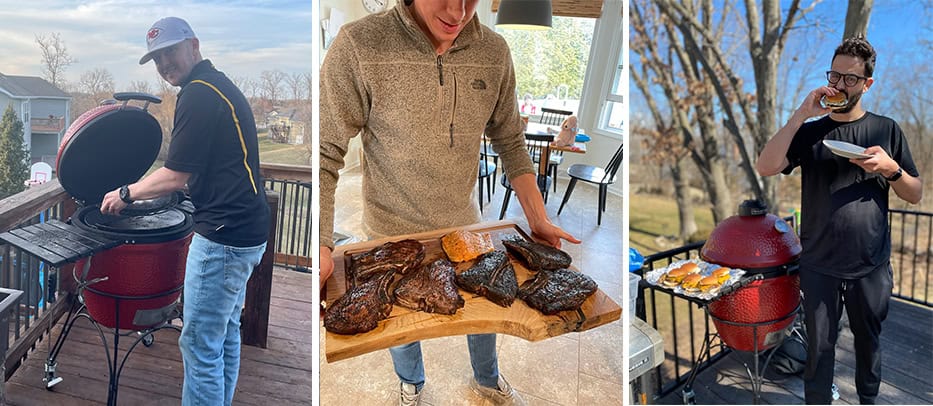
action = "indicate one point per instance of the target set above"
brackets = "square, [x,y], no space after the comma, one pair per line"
[573,369]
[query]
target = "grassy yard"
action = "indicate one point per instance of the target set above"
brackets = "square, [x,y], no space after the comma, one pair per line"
[653,223]
[273,152]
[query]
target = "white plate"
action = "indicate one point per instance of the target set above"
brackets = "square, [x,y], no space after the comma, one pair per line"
[845,149]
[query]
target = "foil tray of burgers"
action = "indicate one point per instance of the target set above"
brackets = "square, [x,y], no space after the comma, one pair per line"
[694,278]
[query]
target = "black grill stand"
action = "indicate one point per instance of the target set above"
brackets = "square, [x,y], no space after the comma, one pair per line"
[114,363]
[756,377]
[57,243]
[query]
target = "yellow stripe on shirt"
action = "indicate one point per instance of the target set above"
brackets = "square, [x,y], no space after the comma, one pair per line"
[239,131]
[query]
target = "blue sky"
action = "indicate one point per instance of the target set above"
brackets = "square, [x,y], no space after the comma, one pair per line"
[242,38]
[897,29]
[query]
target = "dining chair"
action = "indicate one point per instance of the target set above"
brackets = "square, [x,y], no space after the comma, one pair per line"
[592,174]
[487,172]
[486,152]
[538,145]
[554,117]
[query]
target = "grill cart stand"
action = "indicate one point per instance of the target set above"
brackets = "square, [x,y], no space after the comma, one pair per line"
[57,243]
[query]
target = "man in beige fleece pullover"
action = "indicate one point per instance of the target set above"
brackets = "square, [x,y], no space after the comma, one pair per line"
[421,83]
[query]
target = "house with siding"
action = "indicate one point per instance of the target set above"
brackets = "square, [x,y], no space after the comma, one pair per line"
[44,110]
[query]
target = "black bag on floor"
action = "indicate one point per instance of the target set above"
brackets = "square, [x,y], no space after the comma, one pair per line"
[790,358]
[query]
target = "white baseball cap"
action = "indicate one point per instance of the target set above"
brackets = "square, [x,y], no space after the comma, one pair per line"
[165,33]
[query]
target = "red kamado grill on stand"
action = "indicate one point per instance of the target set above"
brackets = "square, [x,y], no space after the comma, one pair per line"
[130,267]
[757,312]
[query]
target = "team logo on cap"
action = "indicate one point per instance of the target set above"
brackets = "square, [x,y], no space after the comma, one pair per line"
[153,34]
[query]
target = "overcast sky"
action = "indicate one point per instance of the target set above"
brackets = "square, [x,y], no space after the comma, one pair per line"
[242,38]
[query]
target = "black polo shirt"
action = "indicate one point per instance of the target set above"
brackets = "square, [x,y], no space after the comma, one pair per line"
[844,210]
[214,140]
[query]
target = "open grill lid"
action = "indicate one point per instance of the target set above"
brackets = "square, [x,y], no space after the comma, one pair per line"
[108,146]
[753,240]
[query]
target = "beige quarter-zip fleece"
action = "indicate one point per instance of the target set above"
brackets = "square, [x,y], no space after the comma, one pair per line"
[421,117]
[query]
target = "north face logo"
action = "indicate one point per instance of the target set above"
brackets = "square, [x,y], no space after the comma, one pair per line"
[478,84]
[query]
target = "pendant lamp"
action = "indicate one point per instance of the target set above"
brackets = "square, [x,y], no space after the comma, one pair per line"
[524,14]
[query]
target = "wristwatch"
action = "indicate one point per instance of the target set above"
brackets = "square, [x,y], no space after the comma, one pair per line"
[895,176]
[125,194]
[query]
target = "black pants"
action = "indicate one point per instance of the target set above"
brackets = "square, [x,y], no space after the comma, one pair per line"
[866,302]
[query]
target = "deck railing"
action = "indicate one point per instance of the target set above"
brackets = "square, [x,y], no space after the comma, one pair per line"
[683,326]
[48,293]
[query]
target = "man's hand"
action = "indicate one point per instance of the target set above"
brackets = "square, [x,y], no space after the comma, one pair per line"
[879,162]
[327,264]
[550,234]
[112,203]
[811,106]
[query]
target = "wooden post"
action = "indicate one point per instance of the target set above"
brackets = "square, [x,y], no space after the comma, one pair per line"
[255,328]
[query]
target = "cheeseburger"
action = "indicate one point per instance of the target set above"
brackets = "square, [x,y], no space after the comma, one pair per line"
[675,276]
[710,284]
[834,102]
[721,274]
[691,283]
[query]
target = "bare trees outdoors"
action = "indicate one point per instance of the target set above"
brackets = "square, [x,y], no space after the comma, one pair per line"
[55,58]
[693,63]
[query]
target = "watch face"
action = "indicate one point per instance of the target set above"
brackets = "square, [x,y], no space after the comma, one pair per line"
[374,6]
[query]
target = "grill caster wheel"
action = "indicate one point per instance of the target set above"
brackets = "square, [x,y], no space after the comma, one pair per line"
[50,378]
[689,397]
[148,340]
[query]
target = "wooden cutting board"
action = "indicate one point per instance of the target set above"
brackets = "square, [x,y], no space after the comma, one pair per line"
[479,315]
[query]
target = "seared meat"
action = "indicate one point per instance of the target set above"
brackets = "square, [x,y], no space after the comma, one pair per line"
[431,289]
[462,245]
[362,307]
[392,257]
[538,257]
[493,277]
[555,291]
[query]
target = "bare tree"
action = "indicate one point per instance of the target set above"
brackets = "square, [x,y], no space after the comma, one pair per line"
[295,84]
[96,82]
[767,31]
[141,86]
[55,58]
[271,85]
[309,85]
[857,18]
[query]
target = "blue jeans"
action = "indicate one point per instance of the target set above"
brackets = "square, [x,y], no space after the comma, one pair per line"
[215,288]
[410,367]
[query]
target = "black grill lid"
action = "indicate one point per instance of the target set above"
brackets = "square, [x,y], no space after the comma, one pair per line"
[107,147]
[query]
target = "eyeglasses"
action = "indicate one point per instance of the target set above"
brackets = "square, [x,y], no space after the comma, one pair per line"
[850,79]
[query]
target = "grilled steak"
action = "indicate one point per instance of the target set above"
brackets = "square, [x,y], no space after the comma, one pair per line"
[493,277]
[362,307]
[392,257]
[431,289]
[555,291]
[538,257]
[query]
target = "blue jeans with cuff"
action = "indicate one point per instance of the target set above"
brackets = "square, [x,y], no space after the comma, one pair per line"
[215,288]
[409,366]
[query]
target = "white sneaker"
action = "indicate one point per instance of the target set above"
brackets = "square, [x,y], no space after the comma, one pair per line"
[502,395]
[409,395]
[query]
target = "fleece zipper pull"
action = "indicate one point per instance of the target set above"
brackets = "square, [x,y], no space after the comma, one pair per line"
[440,70]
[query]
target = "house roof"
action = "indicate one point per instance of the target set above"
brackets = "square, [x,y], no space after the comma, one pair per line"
[29,87]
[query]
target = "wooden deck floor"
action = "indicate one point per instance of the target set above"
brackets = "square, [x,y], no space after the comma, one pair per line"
[907,361]
[280,374]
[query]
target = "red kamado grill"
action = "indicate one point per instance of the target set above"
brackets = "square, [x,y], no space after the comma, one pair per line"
[105,148]
[759,243]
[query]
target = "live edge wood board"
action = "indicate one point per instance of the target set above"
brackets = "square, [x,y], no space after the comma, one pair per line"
[479,315]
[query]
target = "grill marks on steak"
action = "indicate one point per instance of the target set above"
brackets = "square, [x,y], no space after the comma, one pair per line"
[430,289]
[552,292]
[493,277]
[538,257]
[391,257]
[362,307]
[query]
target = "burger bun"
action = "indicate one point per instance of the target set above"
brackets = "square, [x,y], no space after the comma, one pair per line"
[835,101]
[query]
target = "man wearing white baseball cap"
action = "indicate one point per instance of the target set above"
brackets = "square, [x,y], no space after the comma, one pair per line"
[214,151]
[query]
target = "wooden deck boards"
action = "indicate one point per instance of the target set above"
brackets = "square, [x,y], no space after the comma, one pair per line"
[279,374]
[907,354]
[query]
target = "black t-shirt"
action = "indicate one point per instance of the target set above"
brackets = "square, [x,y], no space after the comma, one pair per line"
[214,140]
[844,225]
